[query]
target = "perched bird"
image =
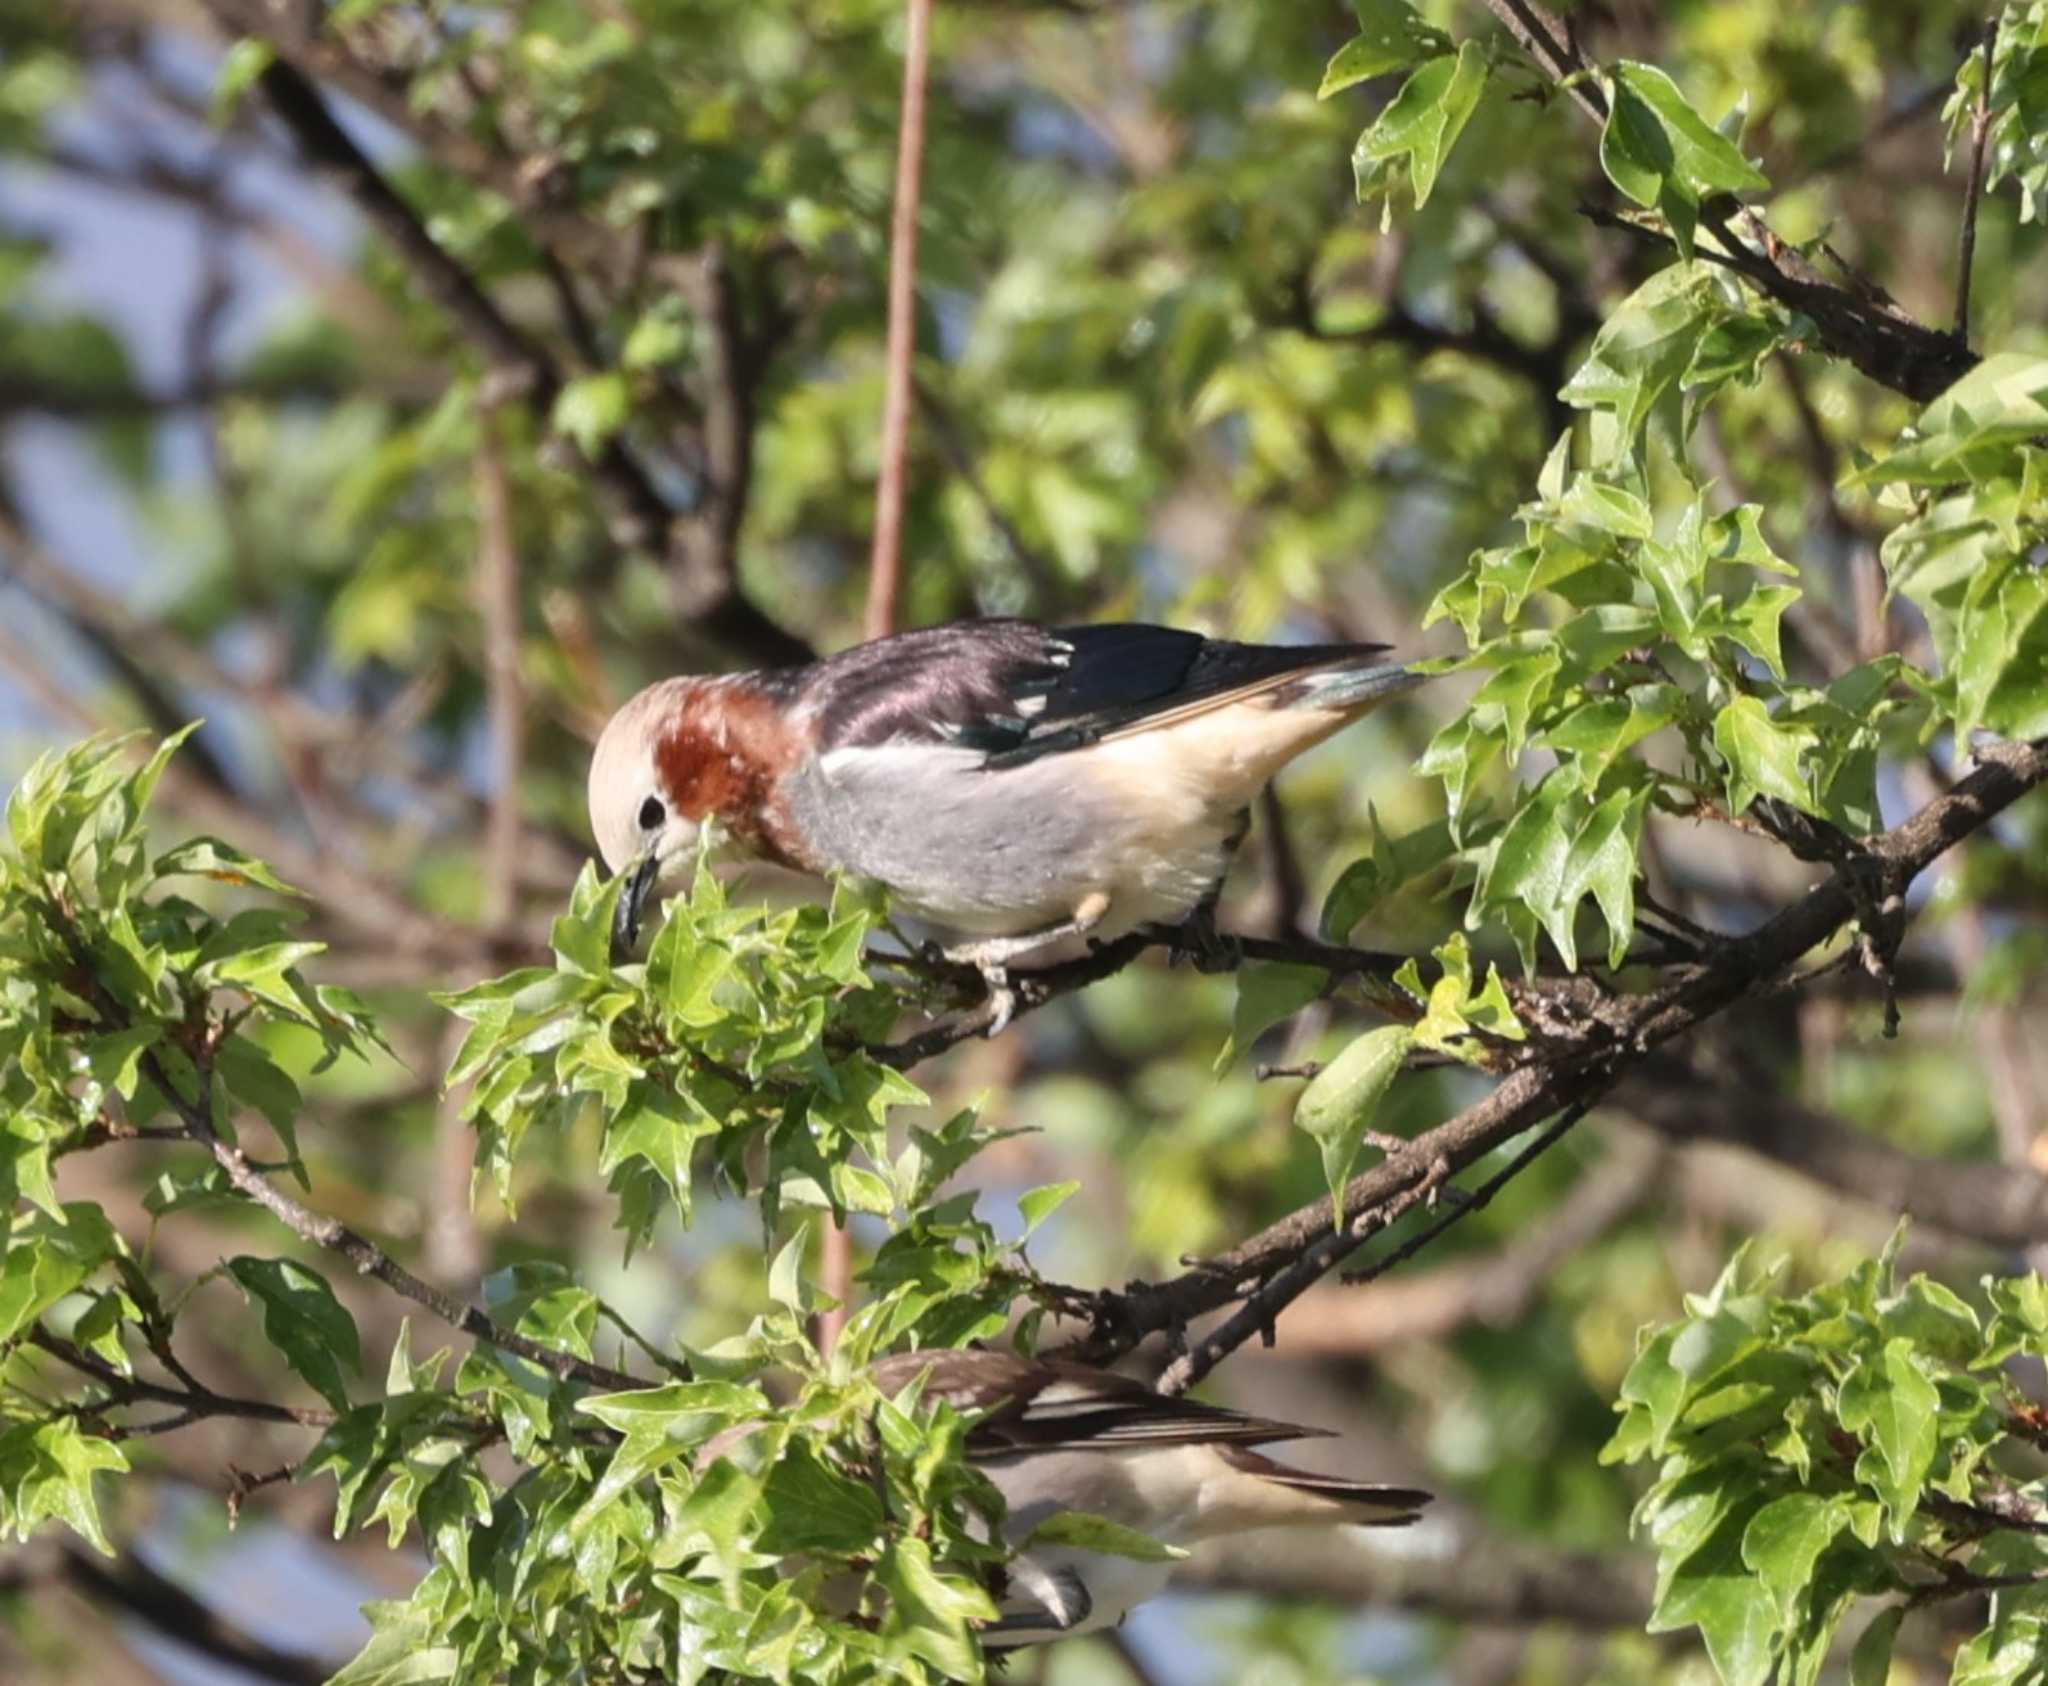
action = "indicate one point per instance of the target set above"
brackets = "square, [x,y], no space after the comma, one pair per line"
[1065,1437]
[1012,784]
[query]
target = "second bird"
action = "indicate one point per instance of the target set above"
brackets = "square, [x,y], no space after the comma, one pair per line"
[1013,784]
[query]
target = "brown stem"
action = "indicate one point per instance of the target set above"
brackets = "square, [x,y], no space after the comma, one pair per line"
[885,567]
[1980,132]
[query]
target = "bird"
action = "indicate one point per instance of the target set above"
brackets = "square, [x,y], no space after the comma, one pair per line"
[1057,1437]
[1011,784]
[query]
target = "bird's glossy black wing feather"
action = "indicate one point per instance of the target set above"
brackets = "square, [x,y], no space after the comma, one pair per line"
[1122,674]
[1019,691]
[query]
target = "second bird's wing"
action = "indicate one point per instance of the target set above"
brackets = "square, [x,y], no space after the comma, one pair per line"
[1042,1405]
[1017,690]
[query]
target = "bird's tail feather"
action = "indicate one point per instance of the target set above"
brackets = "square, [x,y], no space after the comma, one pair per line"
[1355,685]
[1365,1502]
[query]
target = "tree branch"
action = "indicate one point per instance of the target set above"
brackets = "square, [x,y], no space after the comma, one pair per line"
[1571,1070]
[196,1114]
[1857,323]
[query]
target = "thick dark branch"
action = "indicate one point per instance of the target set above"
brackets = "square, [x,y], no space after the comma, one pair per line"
[1857,322]
[1372,969]
[1572,1070]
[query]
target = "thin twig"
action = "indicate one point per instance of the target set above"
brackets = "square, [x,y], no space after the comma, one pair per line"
[193,1401]
[1458,1209]
[885,566]
[1980,131]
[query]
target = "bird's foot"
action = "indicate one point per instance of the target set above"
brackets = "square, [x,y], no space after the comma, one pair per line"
[1208,949]
[1002,1001]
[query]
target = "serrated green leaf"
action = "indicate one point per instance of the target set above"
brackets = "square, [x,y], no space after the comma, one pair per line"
[1421,124]
[1763,757]
[1889,1400]
[1784,1541]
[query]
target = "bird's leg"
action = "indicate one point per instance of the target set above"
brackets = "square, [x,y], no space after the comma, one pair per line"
[991,956]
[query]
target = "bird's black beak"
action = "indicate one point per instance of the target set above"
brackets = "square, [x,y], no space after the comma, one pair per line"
[632,904]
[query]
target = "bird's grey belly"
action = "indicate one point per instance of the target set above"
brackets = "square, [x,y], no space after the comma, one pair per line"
[998,853]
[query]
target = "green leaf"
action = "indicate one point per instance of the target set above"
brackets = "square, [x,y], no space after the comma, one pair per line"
[809,1506]
[1340,1103]
[240,66]
[930,1614]
[304,1321]
[1421,124]
[1081,1531]
[1713,1590]
[46,1474]
[1602,861]
[1784,1541]
[1763,757]
[1038,1204]
[208,857]
[591,408]
[689,1412]
[1663,154]
[1267,992]
[1891,1402]
[47,1258]
[1870,1664]
[1390,37]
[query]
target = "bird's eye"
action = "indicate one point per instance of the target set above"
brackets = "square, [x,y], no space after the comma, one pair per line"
[652,813]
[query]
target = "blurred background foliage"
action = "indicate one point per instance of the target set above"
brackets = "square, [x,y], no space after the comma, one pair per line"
[402,546]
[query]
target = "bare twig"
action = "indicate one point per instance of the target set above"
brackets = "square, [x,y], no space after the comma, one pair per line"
[885,567]
[194,1400]
[1494,1288]
[1980,131]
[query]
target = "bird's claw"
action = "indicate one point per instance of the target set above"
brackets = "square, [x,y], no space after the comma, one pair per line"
[1002,1000]
[1208,949]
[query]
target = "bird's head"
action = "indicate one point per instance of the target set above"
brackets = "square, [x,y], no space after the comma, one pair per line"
[683,755]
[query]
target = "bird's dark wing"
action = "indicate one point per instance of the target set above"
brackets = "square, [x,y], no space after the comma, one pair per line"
[1018,690]
[1040,1405]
